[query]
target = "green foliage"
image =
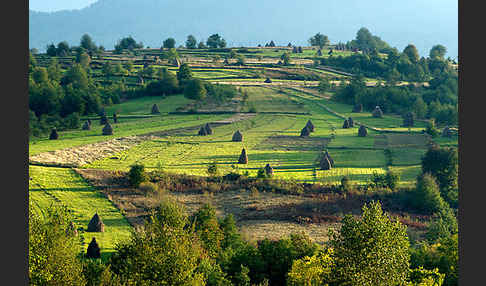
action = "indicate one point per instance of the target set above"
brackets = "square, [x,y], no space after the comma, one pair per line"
[438,51]
[388,180]
[324,85]
[127,43]
[443,225]
[53,254]
[319,40]
[207,229]
[372,250]
[169,43]
[424,277]
[215,41]
[212,169]
[313,270]
[241,278]
[285,58]
[191,42]
[184,74]
[443,164]
[194,89]
[426,195]
[162,253]
[137,175]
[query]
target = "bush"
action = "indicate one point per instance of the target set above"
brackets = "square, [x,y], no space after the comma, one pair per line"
[426,195]
[137,175]
[148,188]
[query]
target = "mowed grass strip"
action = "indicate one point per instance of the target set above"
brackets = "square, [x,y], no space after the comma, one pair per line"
[50,185]
[143,105]
[124,127]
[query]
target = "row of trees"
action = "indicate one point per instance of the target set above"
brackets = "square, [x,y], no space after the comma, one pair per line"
[174,249]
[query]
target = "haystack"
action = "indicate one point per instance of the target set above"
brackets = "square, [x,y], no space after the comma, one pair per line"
[93,250]
[310,125]
[362,132]
[305,132]
[269,170]
[107,130]
[89,122]
[155,109]
[115,118]
[209,131]
[54,134]
[346,124]
[325,164]
[351,122]
[377,112]
[408,119]
[237,137]
[358,108]
[202,131]
[326,154]
[268,80]
[319,52]
[86,125]
[95,224]
[446,132]
[243,157]
[103,119]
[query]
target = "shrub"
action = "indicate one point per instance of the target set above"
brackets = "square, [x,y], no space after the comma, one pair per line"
[426,195]
[212,169]
[137,175]
[148,188]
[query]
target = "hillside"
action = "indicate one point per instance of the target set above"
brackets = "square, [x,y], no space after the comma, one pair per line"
[109,20]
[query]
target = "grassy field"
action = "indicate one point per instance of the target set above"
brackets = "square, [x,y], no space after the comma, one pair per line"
[50,185]
[144,105]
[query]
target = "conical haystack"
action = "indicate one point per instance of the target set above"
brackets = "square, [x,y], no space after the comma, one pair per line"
[305,132]
[325,164]
[377,112]
[243,157]
[268,80]
[53,135]
[115,118]
[93,250]
[202,131]
[107,130]
[362,132]
[408,119]
[310,125]
[95,224]
[351,122]
[446,132]
[89,122]
[86,125]
[346,124]
[326,154]
[209,131]
[358,108]
[155,109]
[103,120]
[269,170]
[237,137]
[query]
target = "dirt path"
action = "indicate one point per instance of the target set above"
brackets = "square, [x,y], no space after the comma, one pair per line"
[85,154]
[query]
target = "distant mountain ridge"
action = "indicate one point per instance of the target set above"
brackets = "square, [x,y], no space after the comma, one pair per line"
[251,22]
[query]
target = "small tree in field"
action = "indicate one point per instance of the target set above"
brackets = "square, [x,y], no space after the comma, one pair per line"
[195,89]
[137,175]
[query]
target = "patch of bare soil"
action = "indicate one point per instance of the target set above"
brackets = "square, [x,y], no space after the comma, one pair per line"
[258,214]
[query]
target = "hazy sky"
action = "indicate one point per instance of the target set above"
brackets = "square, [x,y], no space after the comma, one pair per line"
[56,5]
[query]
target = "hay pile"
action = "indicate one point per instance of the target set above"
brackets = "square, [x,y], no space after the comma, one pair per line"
[103,119]
[93,250]
[268,80]
[358,108]
[362,132]
[209,131]
[310,126]
[95,224]
[408,119]
[326,154]
[269,170]
[86,126]
[107,130]
[446,132]
[53,135]
[155,109]
[237,137]
[202,131]
[305,132]
[115,118]
[377,112]
[325,164]
[351,122]
[346,124]
[243,157]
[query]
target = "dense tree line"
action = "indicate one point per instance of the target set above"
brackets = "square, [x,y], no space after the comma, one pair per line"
[438,101]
